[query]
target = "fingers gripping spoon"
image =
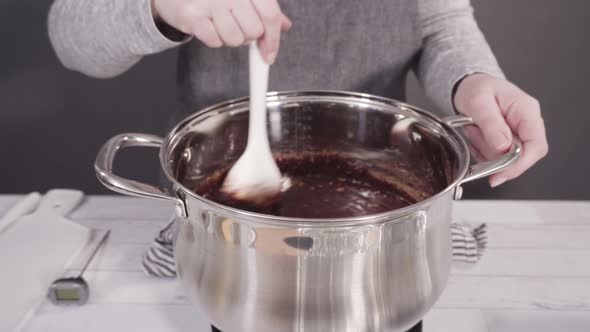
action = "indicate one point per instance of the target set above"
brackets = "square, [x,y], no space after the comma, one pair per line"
[255,177]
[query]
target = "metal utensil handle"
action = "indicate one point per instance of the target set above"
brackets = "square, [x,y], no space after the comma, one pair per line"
[103,166]
[487,168]
[92,248]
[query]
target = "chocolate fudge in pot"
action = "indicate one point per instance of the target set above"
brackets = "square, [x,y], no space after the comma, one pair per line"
[326,185]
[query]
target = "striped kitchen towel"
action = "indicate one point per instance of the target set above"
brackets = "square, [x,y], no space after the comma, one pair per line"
[469,244]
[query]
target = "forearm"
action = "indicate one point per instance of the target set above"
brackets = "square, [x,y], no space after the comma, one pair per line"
[453,47]
[104,38]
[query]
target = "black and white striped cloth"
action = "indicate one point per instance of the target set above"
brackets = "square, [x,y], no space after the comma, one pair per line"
[469,244]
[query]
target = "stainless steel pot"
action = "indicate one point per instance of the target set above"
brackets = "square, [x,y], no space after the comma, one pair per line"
[250,272]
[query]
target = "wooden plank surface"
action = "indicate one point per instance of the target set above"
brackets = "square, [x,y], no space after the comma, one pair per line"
[524,212]
[534,277]
[121,317]
[118,207]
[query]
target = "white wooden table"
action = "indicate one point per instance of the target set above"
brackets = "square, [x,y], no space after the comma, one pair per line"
[534,277]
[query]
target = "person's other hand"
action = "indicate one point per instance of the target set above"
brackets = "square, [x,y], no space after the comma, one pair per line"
[500,109]
[229,23]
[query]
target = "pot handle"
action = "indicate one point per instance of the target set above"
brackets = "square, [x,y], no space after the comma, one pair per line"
[487,168]
[103,166]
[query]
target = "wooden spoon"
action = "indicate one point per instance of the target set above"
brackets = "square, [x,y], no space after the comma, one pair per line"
[255,177]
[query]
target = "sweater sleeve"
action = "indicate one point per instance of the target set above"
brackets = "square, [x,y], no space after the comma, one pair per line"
[104,38]
[453,47]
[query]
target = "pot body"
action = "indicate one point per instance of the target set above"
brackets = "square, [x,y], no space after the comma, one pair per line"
[258,273]
[381,276]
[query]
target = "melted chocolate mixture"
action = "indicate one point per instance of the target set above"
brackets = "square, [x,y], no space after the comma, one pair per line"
[324,186]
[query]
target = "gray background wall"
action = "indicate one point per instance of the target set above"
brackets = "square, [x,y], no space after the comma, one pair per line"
[53,121]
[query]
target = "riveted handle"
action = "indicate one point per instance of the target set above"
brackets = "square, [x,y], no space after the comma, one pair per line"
[103,167]
[487,168]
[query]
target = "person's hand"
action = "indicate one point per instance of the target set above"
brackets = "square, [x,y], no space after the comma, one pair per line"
[229,23]
[500,110]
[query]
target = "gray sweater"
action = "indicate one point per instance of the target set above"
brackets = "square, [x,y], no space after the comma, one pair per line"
[365,46]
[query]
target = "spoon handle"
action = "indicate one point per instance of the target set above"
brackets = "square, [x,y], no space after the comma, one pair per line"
[257,132]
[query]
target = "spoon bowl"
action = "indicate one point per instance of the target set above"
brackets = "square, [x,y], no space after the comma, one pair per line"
[255,177]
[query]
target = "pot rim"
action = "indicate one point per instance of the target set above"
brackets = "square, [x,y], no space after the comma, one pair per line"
[317,222]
